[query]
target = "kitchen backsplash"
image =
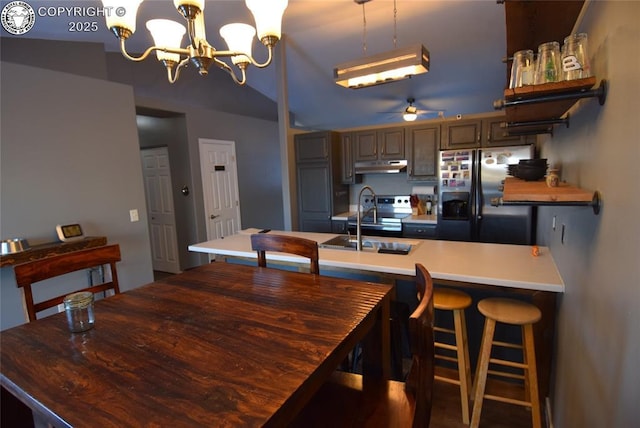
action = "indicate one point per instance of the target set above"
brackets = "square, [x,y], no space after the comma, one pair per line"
[387,184]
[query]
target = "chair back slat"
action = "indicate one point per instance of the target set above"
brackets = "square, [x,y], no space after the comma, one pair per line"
[49,267]
[263,242]
[421,375]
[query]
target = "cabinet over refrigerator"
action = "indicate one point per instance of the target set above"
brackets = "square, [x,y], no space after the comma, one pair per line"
[468,180]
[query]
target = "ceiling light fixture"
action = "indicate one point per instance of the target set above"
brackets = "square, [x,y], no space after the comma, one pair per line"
[382,68]
[411,112]
[167,36]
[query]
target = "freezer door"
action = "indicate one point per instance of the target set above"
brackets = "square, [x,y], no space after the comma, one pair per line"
[502,224]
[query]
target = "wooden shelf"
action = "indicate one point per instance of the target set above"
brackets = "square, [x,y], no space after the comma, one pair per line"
[51,249]
[521,192]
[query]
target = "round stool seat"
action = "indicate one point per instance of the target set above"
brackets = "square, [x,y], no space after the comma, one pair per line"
[509,311]
[449,299]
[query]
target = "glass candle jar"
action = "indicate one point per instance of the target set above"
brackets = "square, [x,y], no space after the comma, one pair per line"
[79,310]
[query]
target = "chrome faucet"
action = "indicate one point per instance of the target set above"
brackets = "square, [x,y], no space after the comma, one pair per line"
[359,215]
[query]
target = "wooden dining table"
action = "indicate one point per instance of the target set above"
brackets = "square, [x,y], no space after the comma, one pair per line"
[218,345]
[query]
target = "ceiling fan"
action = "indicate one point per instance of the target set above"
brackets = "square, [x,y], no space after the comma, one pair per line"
[411,112]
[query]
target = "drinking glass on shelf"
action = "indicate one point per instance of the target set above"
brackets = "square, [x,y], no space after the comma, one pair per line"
[575,58]
[548,67]
[522,69]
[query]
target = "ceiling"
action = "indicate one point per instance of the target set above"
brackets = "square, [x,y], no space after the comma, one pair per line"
[466,40]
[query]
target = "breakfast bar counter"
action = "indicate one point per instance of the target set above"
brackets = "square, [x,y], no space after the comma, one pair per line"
[502,265]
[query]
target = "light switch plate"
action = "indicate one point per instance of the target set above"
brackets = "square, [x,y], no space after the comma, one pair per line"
[133,215]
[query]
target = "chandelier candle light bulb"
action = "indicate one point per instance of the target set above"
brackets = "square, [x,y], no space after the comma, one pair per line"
[167,36]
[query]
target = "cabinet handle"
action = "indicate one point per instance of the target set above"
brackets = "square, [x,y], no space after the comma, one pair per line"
[479,136]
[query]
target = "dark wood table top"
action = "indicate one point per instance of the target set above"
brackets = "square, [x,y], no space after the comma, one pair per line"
[219,345]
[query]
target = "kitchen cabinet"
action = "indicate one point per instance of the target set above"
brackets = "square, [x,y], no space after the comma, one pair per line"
[346,151]
[419,230]
[321,192]
[339,226]
[379,144]
[477,133]
[422,150]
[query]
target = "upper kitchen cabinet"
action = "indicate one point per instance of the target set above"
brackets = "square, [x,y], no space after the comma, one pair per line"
[422,147]
[348,171]
[534,109]
[461,134]
[476,133]
[379,144]
[320,189]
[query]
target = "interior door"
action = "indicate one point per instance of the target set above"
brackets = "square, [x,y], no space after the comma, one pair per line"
[162,222]
[220,187]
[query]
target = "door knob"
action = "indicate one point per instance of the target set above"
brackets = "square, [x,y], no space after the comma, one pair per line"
[213,216]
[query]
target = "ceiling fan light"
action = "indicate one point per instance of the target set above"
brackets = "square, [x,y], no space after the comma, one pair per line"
[166,34]
[239,38]
[409,117]
[128,18]
[383,68]
[268,17]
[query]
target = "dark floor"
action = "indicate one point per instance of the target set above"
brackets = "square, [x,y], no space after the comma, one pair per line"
[446,411]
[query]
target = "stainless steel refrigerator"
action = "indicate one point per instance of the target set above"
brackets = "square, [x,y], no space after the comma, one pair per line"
[468,180]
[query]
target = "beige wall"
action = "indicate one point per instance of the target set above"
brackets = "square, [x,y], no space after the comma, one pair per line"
[597,378]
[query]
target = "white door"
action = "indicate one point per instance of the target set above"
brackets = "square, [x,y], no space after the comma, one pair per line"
[220,187]
[162,222]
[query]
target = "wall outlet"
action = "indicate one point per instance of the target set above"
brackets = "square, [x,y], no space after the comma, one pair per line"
[133,215]
[60,307]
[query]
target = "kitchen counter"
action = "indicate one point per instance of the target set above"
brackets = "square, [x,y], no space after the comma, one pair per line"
[343,216]
[501,265]
[421,219]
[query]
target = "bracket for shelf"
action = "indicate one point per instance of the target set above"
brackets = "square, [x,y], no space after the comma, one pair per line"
[535,123]
[600,92]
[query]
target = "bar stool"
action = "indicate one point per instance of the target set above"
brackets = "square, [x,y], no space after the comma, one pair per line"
[447,299]
[514,312]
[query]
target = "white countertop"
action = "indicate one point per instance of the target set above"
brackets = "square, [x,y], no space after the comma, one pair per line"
[422,219]
[502,265]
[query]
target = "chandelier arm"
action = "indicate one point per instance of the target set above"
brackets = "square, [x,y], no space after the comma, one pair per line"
[223,65]
[178,68]
[226,54]
[146,53]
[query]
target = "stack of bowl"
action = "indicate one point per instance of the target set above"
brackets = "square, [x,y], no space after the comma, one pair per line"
[529,169]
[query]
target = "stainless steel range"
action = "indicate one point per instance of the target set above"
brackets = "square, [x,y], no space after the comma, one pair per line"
[382,215]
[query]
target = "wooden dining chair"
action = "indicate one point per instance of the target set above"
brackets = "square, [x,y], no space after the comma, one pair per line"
[49,267]
[263,242]
[349,400]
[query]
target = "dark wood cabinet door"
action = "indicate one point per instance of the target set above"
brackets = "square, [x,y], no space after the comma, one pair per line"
[423,142]
[313,147]
[346,151]
[365,145]
[461,134]
[391,143]
[498,136]
[314,197]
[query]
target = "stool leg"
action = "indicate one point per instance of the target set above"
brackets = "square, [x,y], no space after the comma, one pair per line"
[464,371]
[532,374]
[481,370]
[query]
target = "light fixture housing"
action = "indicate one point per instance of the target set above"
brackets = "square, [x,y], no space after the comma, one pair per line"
[382,68]
[410,114]
[167,36]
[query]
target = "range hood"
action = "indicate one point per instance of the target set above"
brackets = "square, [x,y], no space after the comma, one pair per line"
[380,167]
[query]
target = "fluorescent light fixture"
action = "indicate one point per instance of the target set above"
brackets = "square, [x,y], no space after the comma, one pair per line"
[386,67]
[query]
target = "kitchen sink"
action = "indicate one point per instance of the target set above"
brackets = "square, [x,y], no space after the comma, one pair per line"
[371,244]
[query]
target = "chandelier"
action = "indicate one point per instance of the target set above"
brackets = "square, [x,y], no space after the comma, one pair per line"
[167,36]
